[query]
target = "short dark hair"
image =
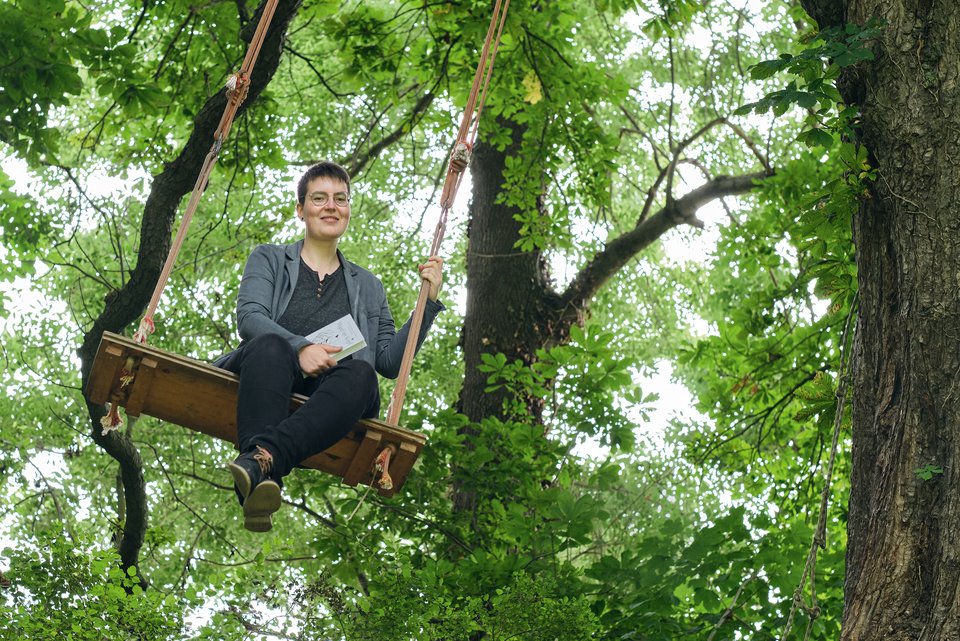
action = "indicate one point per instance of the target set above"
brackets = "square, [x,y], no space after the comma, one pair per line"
[323,169]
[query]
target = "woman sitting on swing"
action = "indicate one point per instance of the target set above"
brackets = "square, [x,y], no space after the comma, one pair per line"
[288,292]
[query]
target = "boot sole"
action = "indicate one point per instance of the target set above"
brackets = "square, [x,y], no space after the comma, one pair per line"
[259,503]
[241,479]
[258,523]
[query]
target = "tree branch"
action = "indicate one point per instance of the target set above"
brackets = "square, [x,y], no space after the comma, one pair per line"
[668,171]
[360,161]
[136,25]
[296,54]
[621,250]
[166,192]
[827,13]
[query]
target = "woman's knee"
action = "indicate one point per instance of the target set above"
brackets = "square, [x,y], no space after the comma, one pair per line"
[360,371]
[364,388]
[271,348]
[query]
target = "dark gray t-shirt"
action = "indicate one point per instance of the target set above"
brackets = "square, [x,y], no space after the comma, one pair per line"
[315,302]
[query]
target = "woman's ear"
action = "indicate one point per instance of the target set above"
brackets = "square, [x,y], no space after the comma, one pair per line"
[299,211]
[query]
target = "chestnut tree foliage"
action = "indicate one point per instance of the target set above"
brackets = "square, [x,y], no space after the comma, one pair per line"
[660,185]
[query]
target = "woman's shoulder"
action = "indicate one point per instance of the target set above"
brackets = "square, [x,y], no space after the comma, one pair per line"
[274,252]
[357,271]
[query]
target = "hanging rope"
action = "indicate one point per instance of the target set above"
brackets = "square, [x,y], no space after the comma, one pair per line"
[820,534]
[237,87]
[459,159]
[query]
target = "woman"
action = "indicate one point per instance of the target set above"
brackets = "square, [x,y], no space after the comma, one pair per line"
[288,292]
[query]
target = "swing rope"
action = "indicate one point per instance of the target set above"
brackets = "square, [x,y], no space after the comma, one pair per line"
[459,159]
[238,86]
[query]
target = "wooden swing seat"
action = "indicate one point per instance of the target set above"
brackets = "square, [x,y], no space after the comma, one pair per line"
[203,398]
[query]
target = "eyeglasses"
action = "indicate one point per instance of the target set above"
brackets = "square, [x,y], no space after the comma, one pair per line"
[319,198]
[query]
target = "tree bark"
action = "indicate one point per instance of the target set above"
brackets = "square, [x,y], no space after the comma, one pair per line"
[507,289]
[903,556]
[512,305]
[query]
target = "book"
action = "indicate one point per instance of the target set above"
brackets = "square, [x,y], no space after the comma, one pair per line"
[342,333]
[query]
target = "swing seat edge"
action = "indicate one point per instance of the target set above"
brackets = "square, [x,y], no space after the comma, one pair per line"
[202,397]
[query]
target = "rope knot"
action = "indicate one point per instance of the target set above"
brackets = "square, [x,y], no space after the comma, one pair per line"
[382,465]
[238,85]
[127,375]
[461,155]
[112,420]
[146,328]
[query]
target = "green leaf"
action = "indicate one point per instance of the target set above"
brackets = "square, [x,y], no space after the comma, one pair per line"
[816,138]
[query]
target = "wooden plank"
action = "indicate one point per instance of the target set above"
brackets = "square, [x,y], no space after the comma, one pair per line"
[359,468]
[200,400]
[335,464]
[203,398]
[395,433]
[141,386]
[105,372]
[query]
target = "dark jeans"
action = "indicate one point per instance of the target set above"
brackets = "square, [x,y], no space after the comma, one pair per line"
[269,373]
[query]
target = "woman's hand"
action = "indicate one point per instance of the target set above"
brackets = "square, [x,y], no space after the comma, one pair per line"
[432,272]
[315,359]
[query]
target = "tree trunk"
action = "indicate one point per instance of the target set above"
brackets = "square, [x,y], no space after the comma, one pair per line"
[903,557]
[512,305]
[506,288]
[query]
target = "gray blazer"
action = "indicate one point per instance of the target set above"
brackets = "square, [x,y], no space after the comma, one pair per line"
[266,288]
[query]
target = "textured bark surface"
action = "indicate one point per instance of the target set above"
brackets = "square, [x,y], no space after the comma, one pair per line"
[512,305]
[508,292]
[903,557]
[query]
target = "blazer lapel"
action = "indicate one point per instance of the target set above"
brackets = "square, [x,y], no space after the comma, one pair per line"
[291,265]
[353,286]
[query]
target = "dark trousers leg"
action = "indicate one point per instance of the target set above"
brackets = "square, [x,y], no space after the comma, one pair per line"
[269,372]
[343,395]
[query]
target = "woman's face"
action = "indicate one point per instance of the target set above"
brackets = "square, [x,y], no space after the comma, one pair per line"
[326,209]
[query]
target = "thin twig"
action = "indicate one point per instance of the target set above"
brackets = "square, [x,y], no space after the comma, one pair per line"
[820,534]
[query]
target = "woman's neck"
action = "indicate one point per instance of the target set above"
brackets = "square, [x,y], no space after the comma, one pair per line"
[320,256]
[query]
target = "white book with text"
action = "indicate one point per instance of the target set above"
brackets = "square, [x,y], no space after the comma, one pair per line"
[342,333]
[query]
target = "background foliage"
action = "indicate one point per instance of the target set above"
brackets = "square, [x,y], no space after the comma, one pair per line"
[592,521]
